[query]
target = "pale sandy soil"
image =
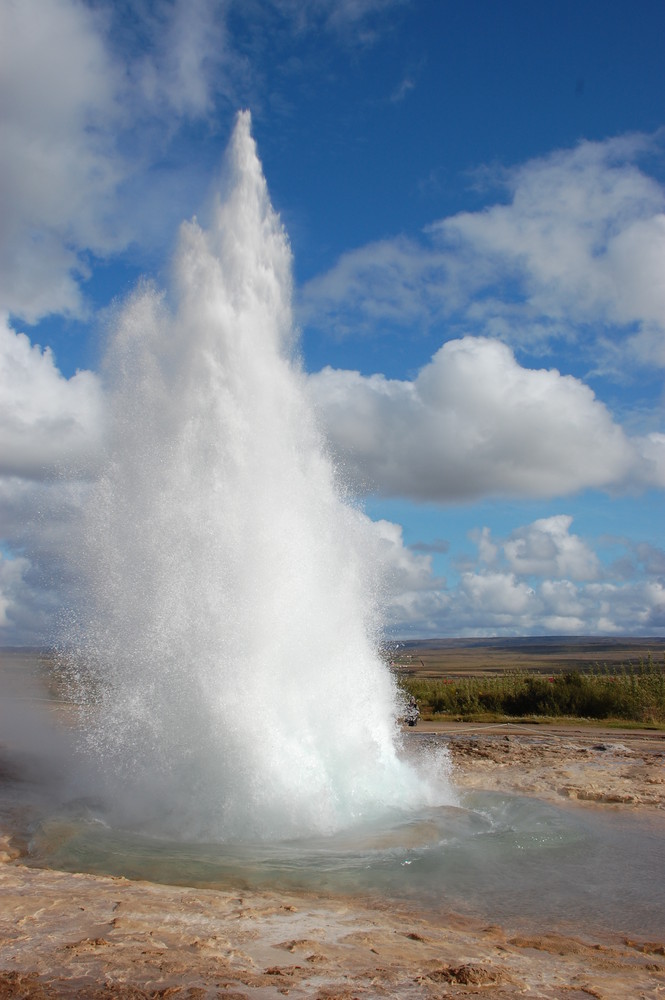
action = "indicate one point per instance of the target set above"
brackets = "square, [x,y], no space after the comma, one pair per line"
[65,935]
[581,763]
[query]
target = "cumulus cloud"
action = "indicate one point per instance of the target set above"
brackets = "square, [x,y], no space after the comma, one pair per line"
[475,423]
[27,606]
[412,596]
[48,424]
[546,548]
[51,430]
[406,568]
[540,579]
[578,245]
[58,167]
[500,594]
[583,234]
[83,121]
[94,98]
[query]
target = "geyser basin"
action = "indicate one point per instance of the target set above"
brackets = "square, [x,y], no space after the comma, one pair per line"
[224,646]
[505,859]
[499,858]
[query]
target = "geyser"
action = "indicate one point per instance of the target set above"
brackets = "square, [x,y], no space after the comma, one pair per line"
[228,638]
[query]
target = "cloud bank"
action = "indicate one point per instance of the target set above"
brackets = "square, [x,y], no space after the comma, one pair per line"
[541,579]
[474,423]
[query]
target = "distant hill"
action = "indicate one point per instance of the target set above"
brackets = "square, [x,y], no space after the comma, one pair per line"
[539,654]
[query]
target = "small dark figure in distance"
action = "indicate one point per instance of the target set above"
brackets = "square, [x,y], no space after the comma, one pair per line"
[412,713]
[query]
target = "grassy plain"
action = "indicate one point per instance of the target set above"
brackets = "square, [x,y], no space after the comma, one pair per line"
[547,655]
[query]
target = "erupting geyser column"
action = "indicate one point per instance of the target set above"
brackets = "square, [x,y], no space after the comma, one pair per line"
[230,625]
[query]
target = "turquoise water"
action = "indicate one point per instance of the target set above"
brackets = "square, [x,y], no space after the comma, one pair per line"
[507,859]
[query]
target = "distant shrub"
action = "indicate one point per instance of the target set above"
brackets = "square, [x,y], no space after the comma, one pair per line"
[632,693]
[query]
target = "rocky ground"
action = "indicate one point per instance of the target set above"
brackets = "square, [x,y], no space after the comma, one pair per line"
[81,936]
[589,764]
[73,935]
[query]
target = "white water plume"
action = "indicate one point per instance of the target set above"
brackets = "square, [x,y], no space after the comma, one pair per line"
[231,626]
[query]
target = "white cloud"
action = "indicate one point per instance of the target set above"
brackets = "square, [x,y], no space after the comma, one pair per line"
[652,448]
[49,425]
[578,247]
[406,569]
[84,123]
[584,234]
[390,281]
[475,423]
[555,584]
[546,548]
[58,166]
[561,601]
[488,551]
[496,596]
[189,60]
[94,97]
[402,90]
[638,606]
[29,603]
[411,596]
[50,437]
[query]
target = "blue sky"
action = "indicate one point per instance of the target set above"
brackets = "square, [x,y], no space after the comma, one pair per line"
[475,199]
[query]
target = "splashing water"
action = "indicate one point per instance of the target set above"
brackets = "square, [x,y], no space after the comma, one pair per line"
[231,622]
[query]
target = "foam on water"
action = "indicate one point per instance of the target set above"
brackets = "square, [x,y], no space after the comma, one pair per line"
[230,627]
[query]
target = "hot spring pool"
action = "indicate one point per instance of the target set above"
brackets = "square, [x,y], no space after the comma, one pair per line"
[499,858]
[506,859]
